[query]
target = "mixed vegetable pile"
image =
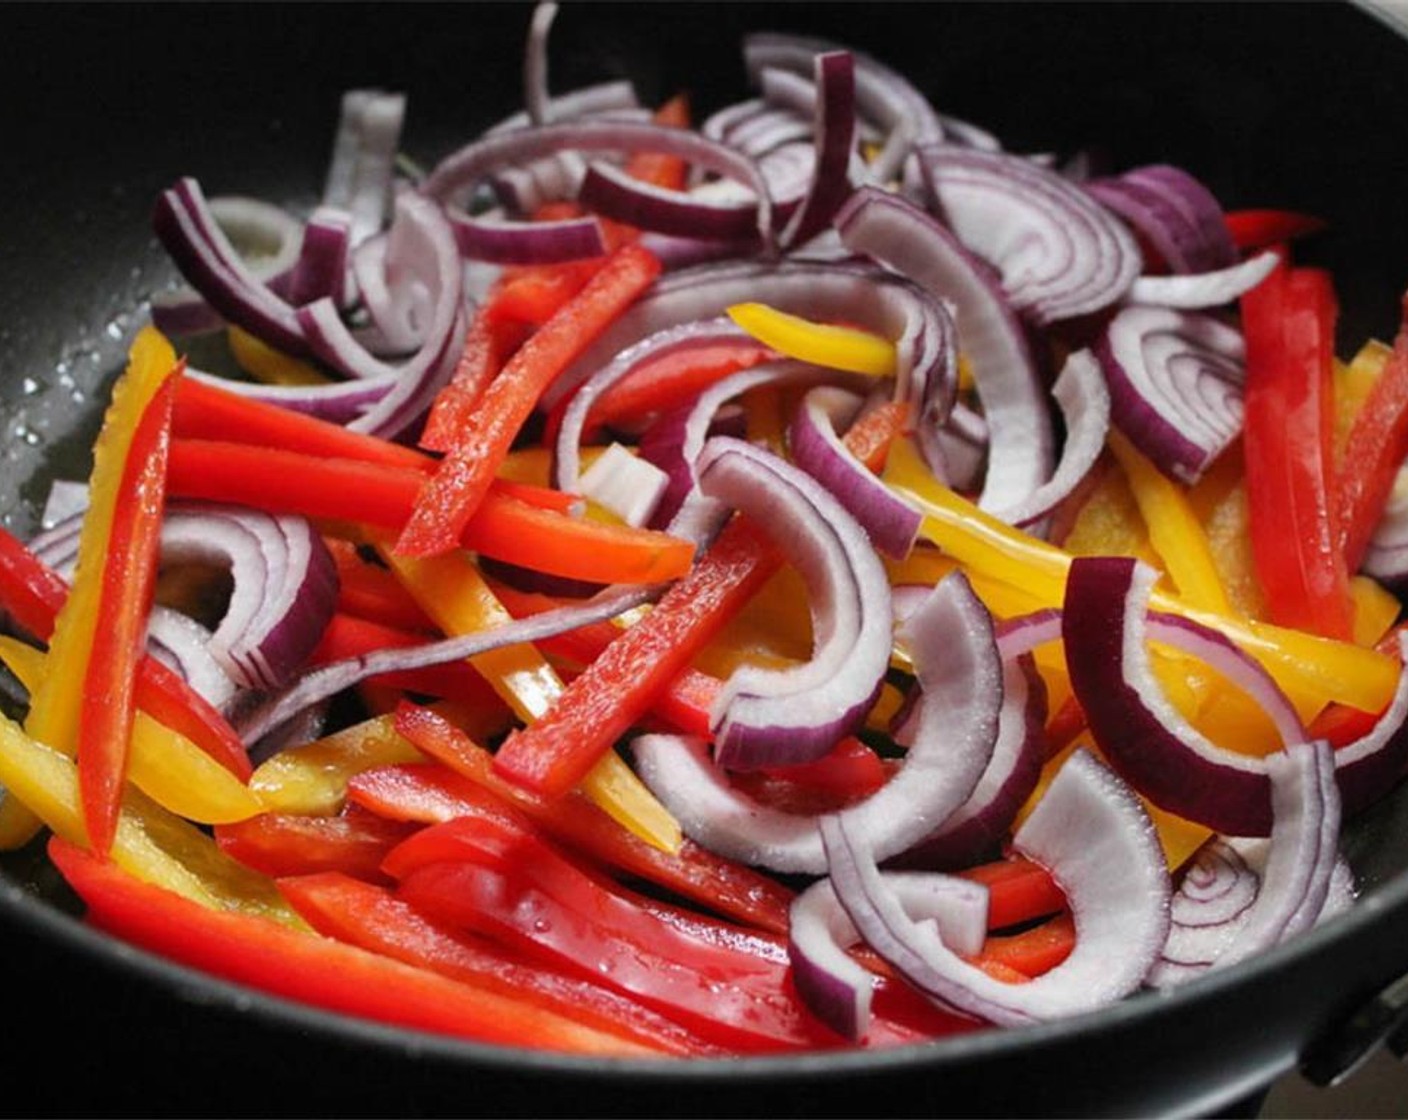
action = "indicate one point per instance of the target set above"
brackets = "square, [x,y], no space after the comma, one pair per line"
[800,578]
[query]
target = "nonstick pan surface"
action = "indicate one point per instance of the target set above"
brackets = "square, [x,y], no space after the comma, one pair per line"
[1296,106]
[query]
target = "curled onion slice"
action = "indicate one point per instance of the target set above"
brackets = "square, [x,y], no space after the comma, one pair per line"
[1204,289]
[361,171]
[958,667]
[836,987]
[1175,382]
[1061,255]
[890,522]
[1174,212]
[1092,833]
[777,717]
[1020,437]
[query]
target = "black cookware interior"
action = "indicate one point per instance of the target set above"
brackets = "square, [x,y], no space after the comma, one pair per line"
[1291,105]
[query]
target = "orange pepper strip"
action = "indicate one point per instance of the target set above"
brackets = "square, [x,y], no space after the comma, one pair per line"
[503,526]
[452,496]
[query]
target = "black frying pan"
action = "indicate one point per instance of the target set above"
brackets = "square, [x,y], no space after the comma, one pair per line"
[1296,105]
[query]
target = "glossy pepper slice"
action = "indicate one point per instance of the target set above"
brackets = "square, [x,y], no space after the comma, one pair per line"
[312,969]
[1289,324]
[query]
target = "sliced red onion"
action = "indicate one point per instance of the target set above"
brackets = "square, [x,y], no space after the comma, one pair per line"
[192,235]
[505,241]
[1176,214]
[461,171]
[890,522]
[834,984]
[883,96]
[917,322]
[1135,725]
[1204,289]
[958,669]
[1092,833]
[609,190]
[535,63]
[776,717]
[835,131]
[1009,383]
[285,586]
[328,680]
[567,458]
[1214,900]
[431,260]
[361,171]
[1084,400]
[1061,255]
[602,99]
[1175,382]
[675,442]
[322,268]
[183,645]
[628,486]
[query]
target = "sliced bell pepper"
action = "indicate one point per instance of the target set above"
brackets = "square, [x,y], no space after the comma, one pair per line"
[1262,229]
[312,969]
[660,169]
[444,507]
[622,684]
[108,707]
[264,363]
[173,771]
[346,490]
[1034,951]
[369,591]
[453,592]
[1289,324]
[824,344]
[690,872]
[508,884]
[374,919]
[1373,454]
[1311,669]
[278,844]
[150,843]
[312,778]
[487,344]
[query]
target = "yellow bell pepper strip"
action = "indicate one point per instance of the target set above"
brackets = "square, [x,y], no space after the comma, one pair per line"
[451,590]
[1106,521]
[55,706]
[824,344]
[164,764]
[1373,453]
[1289,324]
[1354,381]
[455,491]
[273,367]
[312,778]
[1174,530]
[1310,668]
[316,970]
[128,586]
[150,843]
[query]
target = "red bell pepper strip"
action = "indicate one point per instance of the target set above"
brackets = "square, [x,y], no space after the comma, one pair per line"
[32,594]
[487,345]
[1261,229]
[108,705]
[367,590]
[1289,324]
[374,919]
[314,970]
[665,171]
[455,491]
[506,883]
[1373,453]
[621,685]
[1018,891]
[277,844]
[1033,951]
[503,527]
[693,872]
[552,755]
[208,412]
[347,636]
